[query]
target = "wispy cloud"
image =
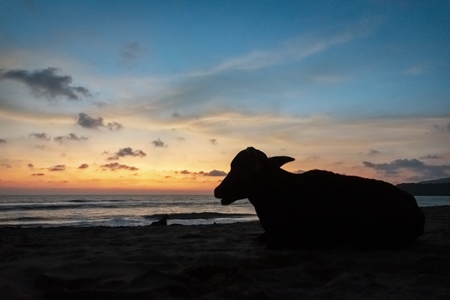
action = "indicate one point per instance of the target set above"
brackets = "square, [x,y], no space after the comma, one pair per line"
[47,83]
[40,136]
[130,52]
[57,168]
[69,137]
[441,128]
[116,166]
[291,51]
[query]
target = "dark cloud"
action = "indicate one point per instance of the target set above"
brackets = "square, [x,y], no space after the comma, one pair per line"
[176,115]
[37,174]
[159,143]
[185,172]
[69,137]
[47,83]
[83,166]
[57,168]
[215,173]
[40,136]
[181,139]
[2,141]
[86,121]
[30,165]
[423,170]
[213,141]
[127,152]
[116,166]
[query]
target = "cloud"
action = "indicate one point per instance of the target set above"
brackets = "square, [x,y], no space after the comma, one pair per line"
[431,157]
[374,152]
[215,173]
[127,152]
[83,166]
[57,168]
[130,52]
[440,128]
[3,141]
[30,165]
[212,173]
[213,141]
[40,136]
[294,50]
[69,137]
[86,121]
[114,126]
[47,83]
[37,174]
[159,143]
[116,166]
[422,170]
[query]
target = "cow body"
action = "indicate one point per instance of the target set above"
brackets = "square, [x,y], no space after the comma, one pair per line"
[321,208]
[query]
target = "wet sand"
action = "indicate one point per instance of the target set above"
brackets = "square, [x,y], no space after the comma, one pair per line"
[215,262]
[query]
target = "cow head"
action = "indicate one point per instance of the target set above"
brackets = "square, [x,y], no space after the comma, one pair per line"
[246,170]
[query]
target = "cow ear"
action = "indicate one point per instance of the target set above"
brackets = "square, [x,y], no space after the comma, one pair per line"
[278,161]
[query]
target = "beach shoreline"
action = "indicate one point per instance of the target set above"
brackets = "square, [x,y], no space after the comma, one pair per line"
[222,261]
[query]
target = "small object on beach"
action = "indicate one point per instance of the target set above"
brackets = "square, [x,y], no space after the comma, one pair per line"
[161,222]
[320,208]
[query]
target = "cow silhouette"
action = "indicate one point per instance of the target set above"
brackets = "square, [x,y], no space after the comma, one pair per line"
[320,208]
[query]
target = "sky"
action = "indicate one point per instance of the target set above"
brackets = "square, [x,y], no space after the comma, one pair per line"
[157,97]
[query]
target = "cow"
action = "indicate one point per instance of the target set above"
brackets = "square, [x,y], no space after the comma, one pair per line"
[320,208]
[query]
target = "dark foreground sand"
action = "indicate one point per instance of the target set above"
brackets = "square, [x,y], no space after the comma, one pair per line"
[215,262]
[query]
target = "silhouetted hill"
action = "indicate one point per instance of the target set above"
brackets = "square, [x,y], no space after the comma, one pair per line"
[442,180]
[439,187]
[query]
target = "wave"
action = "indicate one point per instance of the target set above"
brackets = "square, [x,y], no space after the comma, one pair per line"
[201,215]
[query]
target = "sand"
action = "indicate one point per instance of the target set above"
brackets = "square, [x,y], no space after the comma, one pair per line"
[215,262]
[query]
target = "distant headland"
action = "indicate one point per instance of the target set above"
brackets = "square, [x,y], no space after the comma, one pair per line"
[438,187]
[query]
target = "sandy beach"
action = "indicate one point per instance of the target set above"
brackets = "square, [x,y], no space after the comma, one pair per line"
[215,262]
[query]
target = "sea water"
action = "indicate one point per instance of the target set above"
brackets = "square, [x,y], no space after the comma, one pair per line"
[88,211]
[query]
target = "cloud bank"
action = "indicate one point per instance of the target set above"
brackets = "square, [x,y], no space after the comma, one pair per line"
[423,170]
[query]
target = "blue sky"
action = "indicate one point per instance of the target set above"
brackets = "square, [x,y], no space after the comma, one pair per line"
[356,87]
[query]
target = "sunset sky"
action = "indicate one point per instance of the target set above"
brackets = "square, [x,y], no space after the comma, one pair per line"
[159,96]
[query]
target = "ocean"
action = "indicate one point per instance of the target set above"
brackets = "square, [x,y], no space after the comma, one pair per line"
[112,211]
